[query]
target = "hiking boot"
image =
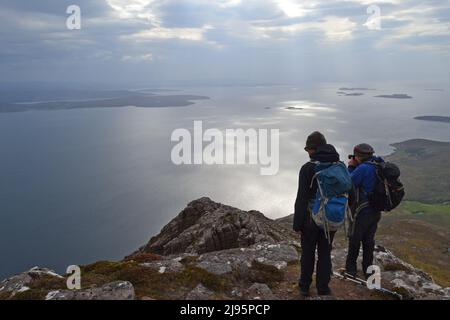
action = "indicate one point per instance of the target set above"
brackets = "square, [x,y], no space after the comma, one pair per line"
[304,292]
[326,292]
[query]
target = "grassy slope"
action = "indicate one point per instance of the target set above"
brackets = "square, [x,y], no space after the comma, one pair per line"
[419,231]
[420,234]
[425,172]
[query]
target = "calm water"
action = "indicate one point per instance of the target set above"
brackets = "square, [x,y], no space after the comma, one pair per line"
[78,186]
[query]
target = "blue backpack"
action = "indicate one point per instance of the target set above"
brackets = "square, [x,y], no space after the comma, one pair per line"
[330,208]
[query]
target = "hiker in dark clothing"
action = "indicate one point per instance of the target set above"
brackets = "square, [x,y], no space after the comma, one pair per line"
[312,236]
[364,177]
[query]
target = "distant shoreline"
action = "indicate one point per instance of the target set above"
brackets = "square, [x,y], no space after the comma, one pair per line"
[138,100]
[444,119]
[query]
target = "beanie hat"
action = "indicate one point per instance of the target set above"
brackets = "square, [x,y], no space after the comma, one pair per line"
[363,150]
[315,140]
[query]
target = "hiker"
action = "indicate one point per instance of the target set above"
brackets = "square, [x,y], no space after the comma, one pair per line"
[363,171]
[312,236]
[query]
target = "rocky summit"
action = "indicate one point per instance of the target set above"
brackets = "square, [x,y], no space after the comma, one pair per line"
[205,226]
[214,251]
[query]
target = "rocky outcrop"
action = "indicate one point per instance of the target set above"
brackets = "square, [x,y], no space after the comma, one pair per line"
[118,290]
[399,276]
[206,226]
[37,279]
[22,282]
[404,278]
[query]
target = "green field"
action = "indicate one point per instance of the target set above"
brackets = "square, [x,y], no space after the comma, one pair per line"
[437,214]
[420,234]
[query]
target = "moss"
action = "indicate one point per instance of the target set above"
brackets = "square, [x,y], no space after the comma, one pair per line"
[378,295]
[189,260]
[262,273]
[149,282]
[4,295]
[101,273]
[32,294]
[102,267]
[404,293]
[193,275]
[395,267]
[144,257]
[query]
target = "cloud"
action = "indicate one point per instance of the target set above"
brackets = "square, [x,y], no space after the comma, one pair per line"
[419,27]
[245,39]
[295,9]
[333,28]
[161,33]
[139,58]
[135,9]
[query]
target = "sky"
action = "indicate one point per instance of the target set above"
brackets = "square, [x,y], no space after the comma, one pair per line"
[194,42]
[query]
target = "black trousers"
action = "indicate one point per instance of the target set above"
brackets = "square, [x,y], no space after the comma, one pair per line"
[313,237]
[366,225]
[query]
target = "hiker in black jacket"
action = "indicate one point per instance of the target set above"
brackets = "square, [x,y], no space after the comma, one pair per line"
[312,236]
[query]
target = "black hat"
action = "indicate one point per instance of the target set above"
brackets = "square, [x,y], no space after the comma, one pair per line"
[315,140]
[363,150]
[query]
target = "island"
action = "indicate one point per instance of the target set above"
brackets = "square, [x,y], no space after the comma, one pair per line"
[134,99]
[356,89]
[354,94]
[394,96]
[434,118]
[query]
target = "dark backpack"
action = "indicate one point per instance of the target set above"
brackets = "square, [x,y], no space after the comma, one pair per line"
[389,191]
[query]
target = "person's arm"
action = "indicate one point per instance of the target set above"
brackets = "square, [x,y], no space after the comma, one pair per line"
[357,176]
[301,203]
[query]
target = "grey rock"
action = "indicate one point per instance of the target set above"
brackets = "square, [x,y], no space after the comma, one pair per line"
[169,265]
[221,262]
[237,292]
[206,226]
[200,293]
[118,290]
[260,291]
[20,282]
[217,268]
[397,275]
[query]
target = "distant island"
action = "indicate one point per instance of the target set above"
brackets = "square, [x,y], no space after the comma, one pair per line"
[293,108]
[136,99]
[434,118]
[394,96]
[355,89]
[353,94]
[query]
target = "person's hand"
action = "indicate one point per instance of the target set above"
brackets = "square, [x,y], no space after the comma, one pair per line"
[353,163]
